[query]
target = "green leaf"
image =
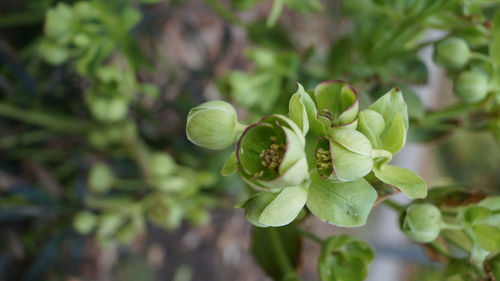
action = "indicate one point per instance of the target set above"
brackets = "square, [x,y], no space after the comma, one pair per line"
[492,203]
[487,236]
[495,47]
[344,258]
[264,243]
[297,112]
[344,204]
[230,166]
[471,214]
[409,182]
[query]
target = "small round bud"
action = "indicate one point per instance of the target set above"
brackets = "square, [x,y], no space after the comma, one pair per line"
[452,53]
[100,178]
[84,222]
[422,222]
[471,86]
[161,164]
[213,125]
[108,109]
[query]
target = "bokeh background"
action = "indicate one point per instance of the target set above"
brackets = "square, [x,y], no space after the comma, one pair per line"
[97,178]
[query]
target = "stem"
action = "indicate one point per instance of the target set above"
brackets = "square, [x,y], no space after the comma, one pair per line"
[310,235]
[281,255]
[224,13]
[450,112]
[44,119]
[479,56]
[395,206]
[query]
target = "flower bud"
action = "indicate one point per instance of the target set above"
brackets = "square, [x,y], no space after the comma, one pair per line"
[471,86]
[422,222]
[107,109]
[452,53]
[337,103]
[344,156]
[84,222]
[100,178]
[213,125]
[271,153]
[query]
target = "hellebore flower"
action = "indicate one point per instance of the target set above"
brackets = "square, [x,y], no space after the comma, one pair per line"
[213,125]
[271,153]
[345,155]
[337,104]
[422,222]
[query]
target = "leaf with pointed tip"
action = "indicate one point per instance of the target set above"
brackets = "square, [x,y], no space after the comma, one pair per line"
[344,204]
[409,182]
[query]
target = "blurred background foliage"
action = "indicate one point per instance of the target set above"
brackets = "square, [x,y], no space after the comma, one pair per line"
[94,95]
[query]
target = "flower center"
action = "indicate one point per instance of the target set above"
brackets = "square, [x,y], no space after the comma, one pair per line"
[323,160]
[271,158]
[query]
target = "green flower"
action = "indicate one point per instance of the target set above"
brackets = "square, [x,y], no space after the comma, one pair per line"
[471,86]
[337,104]
[422,222]
[452,53]
[213,125]
[345,155]
[271,153]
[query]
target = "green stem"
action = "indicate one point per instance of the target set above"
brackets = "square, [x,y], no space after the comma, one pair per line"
[26,138]
[281,255]
[395,206]
[450,112]
[479,56]
[224,13]
[310,235]
[44,119]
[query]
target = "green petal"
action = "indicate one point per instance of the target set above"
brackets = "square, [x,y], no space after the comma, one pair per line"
[344,204]
[349,165]
[394,138]
[352,140]
[298,114]
[371,124]
[315,125]
[389,105]
[285,207]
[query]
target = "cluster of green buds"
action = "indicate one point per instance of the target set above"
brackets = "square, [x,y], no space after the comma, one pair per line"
[471,85]
[325,154]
